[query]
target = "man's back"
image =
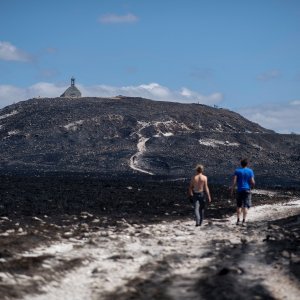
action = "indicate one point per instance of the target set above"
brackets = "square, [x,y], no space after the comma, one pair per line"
[199,182]
[244,178]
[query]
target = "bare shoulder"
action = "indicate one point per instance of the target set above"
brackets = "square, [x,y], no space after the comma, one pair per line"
[204,178]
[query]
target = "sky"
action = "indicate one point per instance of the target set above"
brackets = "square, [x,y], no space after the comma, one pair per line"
[243,55]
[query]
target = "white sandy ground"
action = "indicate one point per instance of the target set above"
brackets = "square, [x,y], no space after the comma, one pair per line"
[216,143]
[14,112]
[113,258]
[141,147]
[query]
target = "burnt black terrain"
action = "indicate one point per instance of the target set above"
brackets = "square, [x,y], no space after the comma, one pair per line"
[100,136]
[72,168]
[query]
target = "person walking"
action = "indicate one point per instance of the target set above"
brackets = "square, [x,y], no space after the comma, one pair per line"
[243,177]
[197,189]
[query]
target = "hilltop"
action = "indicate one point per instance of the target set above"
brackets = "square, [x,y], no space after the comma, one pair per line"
[136,136]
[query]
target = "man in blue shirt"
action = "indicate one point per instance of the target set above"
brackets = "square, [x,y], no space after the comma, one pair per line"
[244,179]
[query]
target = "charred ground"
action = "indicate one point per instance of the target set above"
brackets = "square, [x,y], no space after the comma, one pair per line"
[120,135]
[94,213]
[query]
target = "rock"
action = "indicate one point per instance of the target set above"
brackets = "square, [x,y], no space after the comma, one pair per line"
[144,235]
[224,271]
[38,278]
[227,270]
[67,234]
[96,270]
[92,242]
[86,214]
[244,240]
[120,256]
[37,219]
[84,227]
[273,226]
[104,234]
[96,221]
[295,258]
[285,254]
[4,253]
[269,238]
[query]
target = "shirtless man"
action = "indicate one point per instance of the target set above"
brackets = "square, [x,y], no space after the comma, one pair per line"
[198,186]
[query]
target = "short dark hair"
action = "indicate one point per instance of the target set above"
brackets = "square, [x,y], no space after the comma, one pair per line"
[199,168]
[244,162]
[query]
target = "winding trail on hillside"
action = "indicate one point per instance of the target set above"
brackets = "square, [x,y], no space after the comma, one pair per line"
[162,129]
[136,159]
[172,260]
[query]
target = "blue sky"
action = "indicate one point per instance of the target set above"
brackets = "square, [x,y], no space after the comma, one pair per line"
[243,55]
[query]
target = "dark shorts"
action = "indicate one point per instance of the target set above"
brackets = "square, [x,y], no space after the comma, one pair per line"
[243,199]
[201,198]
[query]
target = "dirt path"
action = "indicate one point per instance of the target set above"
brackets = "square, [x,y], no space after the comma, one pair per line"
[170,260]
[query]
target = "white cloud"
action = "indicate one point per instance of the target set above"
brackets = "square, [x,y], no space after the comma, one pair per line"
[269,75]
[10,94]
[283,118]
[44,89]
[214,98]
[153,91]
[10,52]
[295,102]
[116,19]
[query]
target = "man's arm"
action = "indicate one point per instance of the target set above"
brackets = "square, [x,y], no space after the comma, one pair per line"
[252,182]
[207,190]
[191,186]
[234,180]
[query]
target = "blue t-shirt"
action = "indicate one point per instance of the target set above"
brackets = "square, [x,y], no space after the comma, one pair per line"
[244,176]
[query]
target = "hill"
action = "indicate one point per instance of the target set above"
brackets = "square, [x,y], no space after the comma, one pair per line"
[139,137]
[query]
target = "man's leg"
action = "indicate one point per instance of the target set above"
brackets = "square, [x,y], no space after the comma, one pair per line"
[197,213]
[239,203]
[246,205]
[238,213]
[202,207]
[245,210]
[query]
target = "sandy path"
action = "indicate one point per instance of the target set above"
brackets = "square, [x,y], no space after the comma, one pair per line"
[136,159]
[166,260]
